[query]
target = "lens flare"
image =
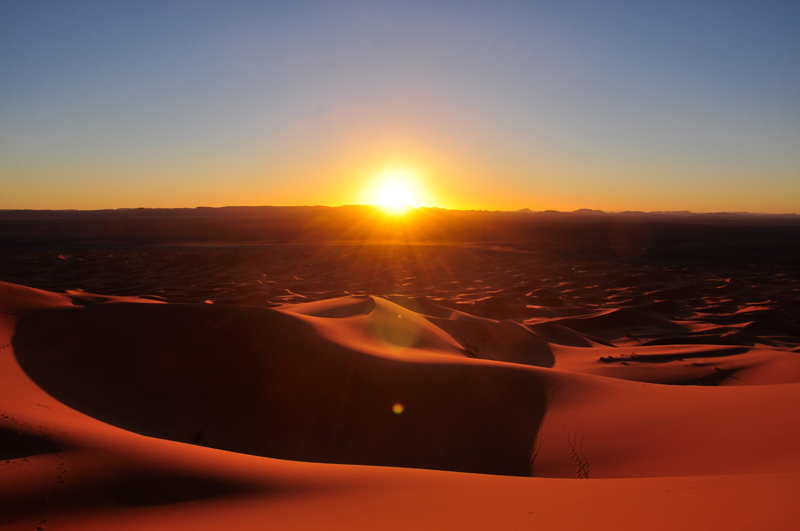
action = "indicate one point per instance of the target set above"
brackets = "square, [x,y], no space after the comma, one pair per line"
[394,332]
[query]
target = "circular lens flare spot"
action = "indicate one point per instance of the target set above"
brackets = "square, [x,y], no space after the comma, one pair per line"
[397,408]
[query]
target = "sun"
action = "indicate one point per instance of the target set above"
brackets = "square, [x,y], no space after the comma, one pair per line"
[395,197]
[395,191]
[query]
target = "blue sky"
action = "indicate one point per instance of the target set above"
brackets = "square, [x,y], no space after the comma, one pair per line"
[563,105]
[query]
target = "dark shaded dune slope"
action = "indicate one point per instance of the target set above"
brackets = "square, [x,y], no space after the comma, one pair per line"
[613,324]
[266,382]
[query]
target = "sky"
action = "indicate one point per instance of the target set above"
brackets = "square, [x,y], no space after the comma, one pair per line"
[473,105]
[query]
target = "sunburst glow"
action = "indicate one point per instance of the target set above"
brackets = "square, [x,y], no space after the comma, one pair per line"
[395,191]
[395,196]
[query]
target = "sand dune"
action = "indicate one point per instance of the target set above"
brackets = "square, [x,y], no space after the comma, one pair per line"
[675,399]
[275,384]
[84,376]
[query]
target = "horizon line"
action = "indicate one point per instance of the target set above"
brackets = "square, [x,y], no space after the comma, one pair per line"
[584,211]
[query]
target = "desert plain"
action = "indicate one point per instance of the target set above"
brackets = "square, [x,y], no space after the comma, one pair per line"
[341,368]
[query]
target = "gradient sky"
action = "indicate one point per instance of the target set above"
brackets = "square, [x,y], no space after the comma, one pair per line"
[491,105]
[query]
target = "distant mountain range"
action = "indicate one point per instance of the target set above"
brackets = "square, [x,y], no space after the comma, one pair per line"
[292,211]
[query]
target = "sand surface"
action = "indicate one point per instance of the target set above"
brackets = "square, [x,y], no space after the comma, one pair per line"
[394,386]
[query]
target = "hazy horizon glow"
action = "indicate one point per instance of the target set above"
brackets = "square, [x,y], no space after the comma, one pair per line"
[567,105]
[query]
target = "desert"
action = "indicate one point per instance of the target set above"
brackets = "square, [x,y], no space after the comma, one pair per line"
[380,265]
[318,368]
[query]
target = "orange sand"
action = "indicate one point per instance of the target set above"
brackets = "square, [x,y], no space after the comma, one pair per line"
[126,413]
